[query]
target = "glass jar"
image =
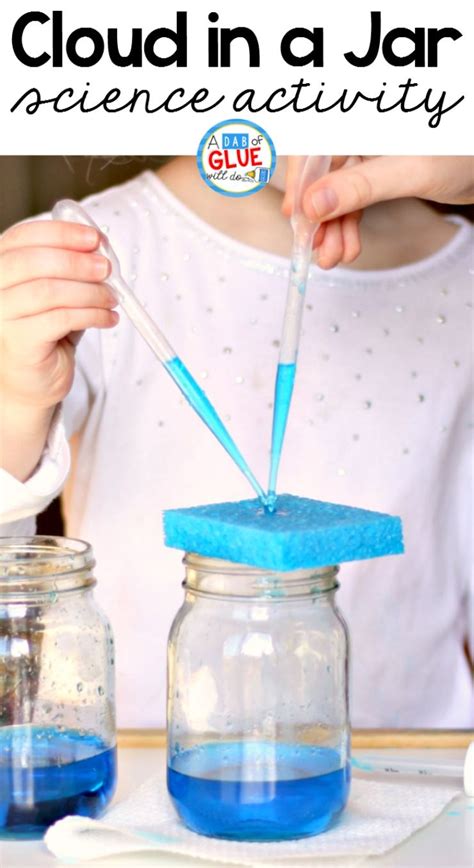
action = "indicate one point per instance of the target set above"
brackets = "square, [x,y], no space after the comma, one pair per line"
[258,725]
[57,716]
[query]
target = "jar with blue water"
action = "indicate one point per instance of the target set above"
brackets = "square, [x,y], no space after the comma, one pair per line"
[57,714]
[258,723]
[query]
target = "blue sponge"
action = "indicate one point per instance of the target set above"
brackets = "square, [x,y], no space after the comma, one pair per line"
[300,534]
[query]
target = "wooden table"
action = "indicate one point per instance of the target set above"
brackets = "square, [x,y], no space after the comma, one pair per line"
[447,842]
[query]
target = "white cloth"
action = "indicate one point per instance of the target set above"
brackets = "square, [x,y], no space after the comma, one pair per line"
[378,817]
[381,419]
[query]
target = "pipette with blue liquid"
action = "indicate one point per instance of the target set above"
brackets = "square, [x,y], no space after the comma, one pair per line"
[308,171]
[71,212]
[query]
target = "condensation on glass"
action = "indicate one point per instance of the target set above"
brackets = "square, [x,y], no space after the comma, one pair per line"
[57,709]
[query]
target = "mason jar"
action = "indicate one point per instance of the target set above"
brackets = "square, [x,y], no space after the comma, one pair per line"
[57,716]
[258,723]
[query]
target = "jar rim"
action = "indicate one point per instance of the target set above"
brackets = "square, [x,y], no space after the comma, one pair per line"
[26,561]
[216,565]
[212,577]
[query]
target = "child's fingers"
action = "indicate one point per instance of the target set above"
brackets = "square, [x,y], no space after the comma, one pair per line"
[350,238]
[331,250]
[75,337]
[50,233]
[29,335]
[31,340]
[292,171]
[351,243]
[39,296]
[319,235]
[29,263]
[352,188]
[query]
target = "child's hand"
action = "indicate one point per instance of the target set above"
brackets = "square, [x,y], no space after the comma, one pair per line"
[336,240]
[51,289]
[336,201]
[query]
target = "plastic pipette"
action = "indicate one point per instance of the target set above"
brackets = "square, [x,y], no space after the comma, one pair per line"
[309,170]
[463,771]
[73,213]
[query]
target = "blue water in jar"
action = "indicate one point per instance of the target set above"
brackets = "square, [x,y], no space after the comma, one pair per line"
[47,773]
[258,791]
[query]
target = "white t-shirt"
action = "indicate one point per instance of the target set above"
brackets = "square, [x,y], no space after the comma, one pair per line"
[381,419]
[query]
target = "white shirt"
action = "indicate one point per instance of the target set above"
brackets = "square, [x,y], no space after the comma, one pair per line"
[381,419]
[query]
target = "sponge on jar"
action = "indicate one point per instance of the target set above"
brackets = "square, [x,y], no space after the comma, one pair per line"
[300,534]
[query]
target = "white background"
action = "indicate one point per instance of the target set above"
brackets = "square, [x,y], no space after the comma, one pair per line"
[346,24]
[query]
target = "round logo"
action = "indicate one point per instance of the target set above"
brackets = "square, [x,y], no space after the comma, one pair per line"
[236,158]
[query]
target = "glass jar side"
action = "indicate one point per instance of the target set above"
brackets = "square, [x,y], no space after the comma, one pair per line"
[57,710]
[257,696]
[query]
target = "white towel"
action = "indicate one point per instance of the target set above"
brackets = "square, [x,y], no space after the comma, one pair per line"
[379,815]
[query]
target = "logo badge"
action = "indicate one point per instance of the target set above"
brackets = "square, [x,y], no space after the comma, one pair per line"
[236,158]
